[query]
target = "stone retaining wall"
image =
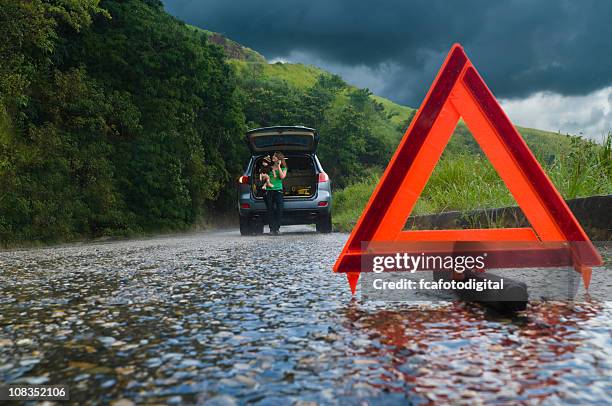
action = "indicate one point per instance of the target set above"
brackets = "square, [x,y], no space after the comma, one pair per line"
[594,214]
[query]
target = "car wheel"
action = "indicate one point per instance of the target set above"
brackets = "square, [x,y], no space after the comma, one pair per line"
[324,225]
[245,226]
[257,227]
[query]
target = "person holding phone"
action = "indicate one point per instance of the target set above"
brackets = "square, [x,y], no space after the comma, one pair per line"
[274,192]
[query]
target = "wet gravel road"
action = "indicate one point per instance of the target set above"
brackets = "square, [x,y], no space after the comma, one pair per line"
[219,319]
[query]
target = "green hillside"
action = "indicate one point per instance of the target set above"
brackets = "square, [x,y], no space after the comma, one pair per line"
[305,76]
[396,115]
[302,76]
[296,74]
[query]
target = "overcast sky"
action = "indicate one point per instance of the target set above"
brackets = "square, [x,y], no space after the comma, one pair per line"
[549,62]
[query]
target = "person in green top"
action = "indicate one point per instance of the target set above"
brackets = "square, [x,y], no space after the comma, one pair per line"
[274,192]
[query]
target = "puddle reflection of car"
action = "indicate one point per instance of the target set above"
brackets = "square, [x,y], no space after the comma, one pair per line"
[306,188]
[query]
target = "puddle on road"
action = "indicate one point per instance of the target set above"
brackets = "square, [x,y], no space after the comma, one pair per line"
[263,320]
[462,353]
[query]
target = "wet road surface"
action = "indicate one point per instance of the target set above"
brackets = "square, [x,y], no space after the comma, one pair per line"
[219,319]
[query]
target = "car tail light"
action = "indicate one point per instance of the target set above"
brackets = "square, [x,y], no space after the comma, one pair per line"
[245,206]
[323,177]
[243,180]
[322,204]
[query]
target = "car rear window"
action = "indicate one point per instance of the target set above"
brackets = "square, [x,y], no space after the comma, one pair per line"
[284,140]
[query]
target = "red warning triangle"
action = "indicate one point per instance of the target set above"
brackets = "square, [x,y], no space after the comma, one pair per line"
[459,92]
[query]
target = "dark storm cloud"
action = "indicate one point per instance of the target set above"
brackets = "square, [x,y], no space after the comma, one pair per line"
[519,46]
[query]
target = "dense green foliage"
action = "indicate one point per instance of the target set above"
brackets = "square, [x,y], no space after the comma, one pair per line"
[114,118]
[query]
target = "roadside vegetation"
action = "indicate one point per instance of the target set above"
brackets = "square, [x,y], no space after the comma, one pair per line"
[115,119]
[467,181]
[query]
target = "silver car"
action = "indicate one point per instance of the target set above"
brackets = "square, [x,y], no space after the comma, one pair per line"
[306,189]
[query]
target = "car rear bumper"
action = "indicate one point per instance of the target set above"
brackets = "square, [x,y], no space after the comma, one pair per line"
[295,210]
[290,217]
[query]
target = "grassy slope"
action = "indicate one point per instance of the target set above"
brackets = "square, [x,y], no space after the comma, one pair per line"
[304,76]
[396,112]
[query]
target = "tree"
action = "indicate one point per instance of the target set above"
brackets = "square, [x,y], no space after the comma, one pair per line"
[114,117]
[344,142]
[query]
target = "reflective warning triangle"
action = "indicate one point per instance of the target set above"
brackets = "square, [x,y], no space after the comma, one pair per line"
[459,92]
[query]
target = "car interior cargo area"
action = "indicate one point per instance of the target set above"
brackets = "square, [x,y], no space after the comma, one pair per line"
[301,179]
